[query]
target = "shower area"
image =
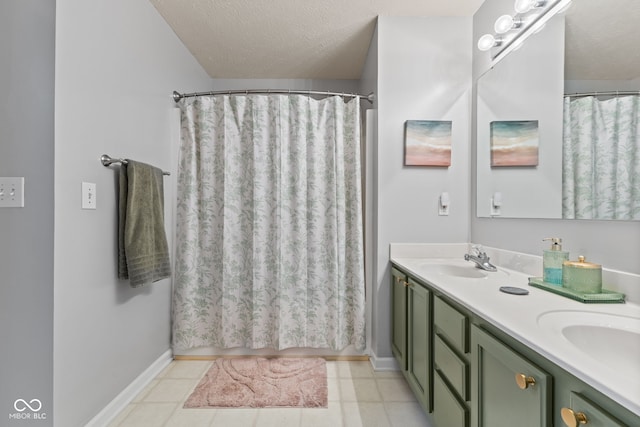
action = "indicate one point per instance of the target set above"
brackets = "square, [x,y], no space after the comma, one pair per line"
[601,152]
[269,245]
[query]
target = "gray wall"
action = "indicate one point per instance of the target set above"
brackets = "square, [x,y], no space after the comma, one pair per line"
[424,67]
[615,244]
[26,234]
[117,63]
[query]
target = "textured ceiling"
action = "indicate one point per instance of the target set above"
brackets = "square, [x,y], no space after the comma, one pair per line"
[603,40]
[329,39]
[304,39]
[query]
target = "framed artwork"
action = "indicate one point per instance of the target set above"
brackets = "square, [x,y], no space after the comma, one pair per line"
[514,143]
[427,143]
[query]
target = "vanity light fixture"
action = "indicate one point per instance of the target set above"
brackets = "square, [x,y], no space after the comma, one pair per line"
[512,30]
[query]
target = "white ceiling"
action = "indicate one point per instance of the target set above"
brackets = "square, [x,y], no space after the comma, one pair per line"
[294,39]
[329,39]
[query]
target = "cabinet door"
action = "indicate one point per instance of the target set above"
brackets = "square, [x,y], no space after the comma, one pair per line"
[419,343]
[399,286]
[507,389]
[582,411]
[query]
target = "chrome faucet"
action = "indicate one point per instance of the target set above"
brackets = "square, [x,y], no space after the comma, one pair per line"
[479,256]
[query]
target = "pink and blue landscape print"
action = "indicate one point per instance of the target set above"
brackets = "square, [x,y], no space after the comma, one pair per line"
[427,143]
[514,143]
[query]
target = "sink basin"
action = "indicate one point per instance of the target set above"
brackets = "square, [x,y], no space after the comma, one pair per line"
[462,270]
[468,271]
[609,339]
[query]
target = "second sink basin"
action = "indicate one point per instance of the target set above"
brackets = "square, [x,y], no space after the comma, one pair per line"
[609,339]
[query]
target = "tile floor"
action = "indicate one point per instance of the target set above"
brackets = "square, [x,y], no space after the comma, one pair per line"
[358,397]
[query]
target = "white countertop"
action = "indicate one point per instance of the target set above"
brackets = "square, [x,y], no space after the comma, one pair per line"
[518,317]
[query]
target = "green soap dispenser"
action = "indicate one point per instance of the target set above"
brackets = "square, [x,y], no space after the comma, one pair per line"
[552,260]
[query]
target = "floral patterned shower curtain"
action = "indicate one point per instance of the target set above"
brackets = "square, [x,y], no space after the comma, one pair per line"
[269,245]
[601,171]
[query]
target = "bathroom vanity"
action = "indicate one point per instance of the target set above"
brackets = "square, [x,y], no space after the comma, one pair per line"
[478,357]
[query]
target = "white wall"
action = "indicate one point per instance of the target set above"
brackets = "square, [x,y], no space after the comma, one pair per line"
[117,63]
[615,244]
[26,234]
[424,67]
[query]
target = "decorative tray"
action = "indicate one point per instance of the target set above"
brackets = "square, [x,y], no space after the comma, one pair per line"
[604,297]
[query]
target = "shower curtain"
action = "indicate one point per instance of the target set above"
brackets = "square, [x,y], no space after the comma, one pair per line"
[601,149]
[269,245]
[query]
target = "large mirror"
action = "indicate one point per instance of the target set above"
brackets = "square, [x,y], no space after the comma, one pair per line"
[550,144]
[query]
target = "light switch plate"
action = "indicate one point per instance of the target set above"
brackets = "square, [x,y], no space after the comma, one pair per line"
[12,192]
[89,195]
[443,204]
[493,209]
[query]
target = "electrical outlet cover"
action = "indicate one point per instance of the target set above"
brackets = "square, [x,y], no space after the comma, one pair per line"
[12,192]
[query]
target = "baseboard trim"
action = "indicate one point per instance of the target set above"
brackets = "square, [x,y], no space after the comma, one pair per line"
[111,411]
[384,363]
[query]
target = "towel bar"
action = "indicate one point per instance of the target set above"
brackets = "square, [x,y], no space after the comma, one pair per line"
[108,160]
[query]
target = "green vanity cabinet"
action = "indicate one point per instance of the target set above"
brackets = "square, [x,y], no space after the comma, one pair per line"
[465,372]
[399,284]
[419,343]
[507,389]
[410,334]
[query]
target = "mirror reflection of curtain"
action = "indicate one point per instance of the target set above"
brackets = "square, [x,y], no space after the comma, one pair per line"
[601,149]
[269,245]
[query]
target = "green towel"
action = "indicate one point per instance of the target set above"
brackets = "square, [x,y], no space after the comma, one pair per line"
[143,253]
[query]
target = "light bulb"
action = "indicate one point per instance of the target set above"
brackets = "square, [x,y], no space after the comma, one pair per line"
[503,24]
[523,6]
[486,42]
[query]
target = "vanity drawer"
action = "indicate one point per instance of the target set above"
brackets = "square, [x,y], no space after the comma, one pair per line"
[447,409]
[455,370]
[451,325]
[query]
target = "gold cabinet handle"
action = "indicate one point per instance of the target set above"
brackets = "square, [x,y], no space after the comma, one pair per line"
[572,418]
[399,280]
[524,381]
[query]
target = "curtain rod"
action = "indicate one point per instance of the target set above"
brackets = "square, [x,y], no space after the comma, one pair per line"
[605,93]
[177,96]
